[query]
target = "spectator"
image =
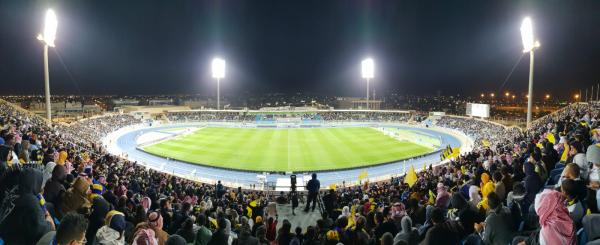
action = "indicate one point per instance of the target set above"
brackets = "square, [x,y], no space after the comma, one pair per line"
[577,156]
[532,181]
[443,231]
[175,240]
[187,231]
[387,239]
[555,223]
[313,187]
[112,233]
[220,236]
[408,234]
[284,235]
[70,231]
[203,235]
[498,226]
[55,187]
[155,222]
[245,237]
[75,198]
[166,212]
[499,187]
[26,219]
[574,206]
[464,212]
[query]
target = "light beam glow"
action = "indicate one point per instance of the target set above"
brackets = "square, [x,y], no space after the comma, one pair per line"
[218,68]
[50,26]
[367,68]
[529,42]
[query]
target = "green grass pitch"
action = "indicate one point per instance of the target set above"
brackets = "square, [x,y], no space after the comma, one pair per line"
[294,149]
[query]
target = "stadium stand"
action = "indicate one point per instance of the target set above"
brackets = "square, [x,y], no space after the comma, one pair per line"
[58,179]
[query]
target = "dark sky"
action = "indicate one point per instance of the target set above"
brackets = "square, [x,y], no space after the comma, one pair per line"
[419,47]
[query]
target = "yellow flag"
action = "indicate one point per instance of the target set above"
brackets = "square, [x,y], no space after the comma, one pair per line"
[249,211]
[486,143]
[539,145]
[431,198]
[565,154]
[411,176]
[551,138]
[333,186]
[363,175]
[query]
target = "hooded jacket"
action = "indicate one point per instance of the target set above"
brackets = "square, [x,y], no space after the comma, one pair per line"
[533,182]
[54,187]
[100,208]
[108,236]
[408,233]
[26,223]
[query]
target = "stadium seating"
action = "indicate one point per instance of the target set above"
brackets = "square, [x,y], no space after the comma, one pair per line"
[49,173]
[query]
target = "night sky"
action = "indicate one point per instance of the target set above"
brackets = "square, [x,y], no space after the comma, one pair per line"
[419,47]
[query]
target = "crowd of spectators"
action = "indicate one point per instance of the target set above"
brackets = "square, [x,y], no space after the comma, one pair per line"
[94,129]
[482,132]
[208,116]
[360,116]
[525,190]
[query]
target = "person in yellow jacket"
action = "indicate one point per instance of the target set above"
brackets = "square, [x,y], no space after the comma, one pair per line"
[62,157]
[487,187]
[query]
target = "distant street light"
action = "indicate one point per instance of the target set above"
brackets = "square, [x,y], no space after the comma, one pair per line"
[48,37]
[529,45]
[482,95]
[492,95]
[218,72]
[576,96]
[547,96]
[507,94]
[368,72]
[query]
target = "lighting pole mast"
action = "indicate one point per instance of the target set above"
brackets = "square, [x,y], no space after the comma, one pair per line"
[529,45]
[48,37]
[368,72]
[218,72]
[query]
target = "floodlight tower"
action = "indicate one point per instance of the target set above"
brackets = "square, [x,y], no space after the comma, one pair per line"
[368,72]
[529,45]
[218,72]
[48,37]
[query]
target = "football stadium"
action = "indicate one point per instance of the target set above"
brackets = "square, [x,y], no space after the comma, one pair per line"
[299,123]
[266,147]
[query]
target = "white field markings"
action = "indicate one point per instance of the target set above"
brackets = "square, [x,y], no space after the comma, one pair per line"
[401,136]
[288,149]
[176,136]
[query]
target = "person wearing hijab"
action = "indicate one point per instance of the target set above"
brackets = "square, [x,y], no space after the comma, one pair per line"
[112,233]
[556,226]
[533,182]
[488,187]
[474,197]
